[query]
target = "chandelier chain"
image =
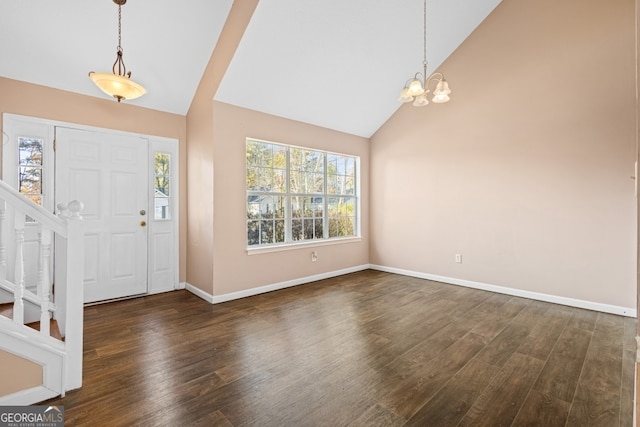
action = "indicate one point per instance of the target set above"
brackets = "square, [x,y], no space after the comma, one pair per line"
[424,26]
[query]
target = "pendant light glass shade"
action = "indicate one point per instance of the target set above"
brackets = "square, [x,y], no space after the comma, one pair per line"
[416,88]
[120,87]
[118,83]
[440,99]
[421,100]
[405,96]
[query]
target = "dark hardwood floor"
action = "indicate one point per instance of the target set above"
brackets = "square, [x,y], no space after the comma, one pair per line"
[365,349]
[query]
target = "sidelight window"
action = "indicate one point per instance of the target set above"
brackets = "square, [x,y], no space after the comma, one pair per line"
[162,186]
[30,168]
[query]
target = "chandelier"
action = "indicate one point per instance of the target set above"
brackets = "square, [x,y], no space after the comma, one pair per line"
[118,83]
[416,89]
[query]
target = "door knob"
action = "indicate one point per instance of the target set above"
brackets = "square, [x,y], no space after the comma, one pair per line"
[143,212]
[143,223]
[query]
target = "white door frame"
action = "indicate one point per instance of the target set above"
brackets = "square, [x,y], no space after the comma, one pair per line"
[12,128]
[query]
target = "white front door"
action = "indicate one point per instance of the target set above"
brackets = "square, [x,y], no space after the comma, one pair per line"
[109,174]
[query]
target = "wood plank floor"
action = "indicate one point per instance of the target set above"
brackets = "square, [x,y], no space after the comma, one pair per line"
[365,349]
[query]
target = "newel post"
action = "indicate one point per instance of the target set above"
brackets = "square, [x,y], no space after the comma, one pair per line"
[74,295]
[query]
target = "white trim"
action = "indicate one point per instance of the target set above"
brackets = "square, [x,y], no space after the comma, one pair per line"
[273,287]
[29,396]
[572,302]
[181,285]
[45,351]
[199,293]
[303,245]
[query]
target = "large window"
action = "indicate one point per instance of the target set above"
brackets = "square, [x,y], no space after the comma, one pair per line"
[296,194]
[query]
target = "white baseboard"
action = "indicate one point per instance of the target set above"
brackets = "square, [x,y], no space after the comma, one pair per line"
[273,287]
[199,293]
[30,396]
[589,305]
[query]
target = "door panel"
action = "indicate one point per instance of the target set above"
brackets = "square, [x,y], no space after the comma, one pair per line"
[108,173]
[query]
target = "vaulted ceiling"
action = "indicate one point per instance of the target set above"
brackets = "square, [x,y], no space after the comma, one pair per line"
[333,63]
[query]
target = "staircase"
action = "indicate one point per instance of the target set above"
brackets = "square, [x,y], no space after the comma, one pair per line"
[37,324]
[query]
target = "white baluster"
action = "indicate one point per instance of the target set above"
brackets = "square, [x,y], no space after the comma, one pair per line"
[18,305]
[44,284]
[3,248]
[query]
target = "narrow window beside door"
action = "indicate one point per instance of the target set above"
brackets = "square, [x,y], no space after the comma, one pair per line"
[162,186]
[30,168]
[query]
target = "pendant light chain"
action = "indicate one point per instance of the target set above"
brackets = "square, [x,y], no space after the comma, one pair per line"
[122,69]
[119,26]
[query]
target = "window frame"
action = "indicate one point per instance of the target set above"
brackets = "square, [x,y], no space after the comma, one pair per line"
[168,211]
[289,243]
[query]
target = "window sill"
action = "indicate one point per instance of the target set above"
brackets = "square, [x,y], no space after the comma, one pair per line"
[293,246]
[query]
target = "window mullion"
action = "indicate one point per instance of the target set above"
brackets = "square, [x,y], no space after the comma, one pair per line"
[288,233]
[325,198]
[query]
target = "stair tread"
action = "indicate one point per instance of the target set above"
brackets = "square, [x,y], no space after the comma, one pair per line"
[6,310]
[54,331]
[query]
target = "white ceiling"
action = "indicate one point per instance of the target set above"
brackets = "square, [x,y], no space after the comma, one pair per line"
[339,64]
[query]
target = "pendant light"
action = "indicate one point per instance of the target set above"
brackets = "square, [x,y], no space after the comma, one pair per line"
[118,83]
[416,88]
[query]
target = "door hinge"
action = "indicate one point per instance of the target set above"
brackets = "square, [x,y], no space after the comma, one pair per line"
[54,145]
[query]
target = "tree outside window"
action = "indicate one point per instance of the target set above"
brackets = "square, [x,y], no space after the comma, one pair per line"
[298,194]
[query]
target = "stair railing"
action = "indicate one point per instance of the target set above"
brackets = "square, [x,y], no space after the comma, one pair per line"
[66,230]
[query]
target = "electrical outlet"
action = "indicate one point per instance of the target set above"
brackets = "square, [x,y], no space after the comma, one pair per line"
[314,256]
[459,258]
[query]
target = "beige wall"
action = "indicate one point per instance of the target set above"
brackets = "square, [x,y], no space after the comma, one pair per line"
[46,103]
[200,148]
[18,374]
[526,172]
[235,270]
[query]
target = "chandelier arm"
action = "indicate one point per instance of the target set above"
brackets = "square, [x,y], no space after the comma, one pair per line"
[433,76]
